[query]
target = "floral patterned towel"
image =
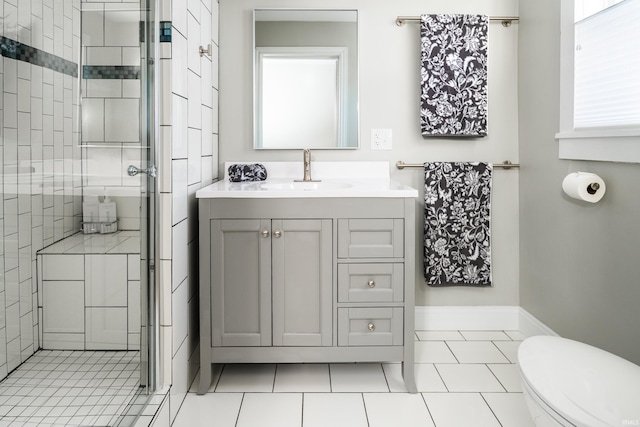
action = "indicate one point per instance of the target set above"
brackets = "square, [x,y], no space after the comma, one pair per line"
[457,224]
[247,172]
[454,75]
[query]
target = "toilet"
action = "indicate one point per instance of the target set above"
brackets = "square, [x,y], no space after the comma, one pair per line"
[568,383]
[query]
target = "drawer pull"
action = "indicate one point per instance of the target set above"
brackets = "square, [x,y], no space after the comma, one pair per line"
[371,283]
[265,233]
[277,233]
[371,327]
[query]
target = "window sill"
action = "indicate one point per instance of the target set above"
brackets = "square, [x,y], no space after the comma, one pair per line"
[603,146]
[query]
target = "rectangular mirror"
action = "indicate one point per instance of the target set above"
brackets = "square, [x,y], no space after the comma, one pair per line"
[305,79]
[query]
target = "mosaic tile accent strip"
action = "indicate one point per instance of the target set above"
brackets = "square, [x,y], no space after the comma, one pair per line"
[119,72]
[165,31]
[21,52]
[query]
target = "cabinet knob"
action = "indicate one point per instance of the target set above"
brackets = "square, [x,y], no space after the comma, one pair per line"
[371,327]
[265,233]
[277,233]
[371,283]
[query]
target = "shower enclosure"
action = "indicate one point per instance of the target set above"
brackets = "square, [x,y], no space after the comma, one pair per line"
[77,127]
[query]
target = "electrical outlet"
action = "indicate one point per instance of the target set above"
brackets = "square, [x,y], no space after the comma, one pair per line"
[381,139]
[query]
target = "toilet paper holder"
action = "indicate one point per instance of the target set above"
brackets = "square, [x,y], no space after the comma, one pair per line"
[593,188]
[584,186]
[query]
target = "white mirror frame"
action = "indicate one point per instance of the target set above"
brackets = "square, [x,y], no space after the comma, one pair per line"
[337,55]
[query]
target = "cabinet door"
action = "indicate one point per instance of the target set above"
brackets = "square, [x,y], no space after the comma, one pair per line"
[240,283]
[302,282]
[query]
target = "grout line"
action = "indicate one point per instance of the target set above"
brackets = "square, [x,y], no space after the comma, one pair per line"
[441,379]
[302,411]
[364,406]
[240,409]
[490,408]
[496,377]
[454,355]
[501,352]
[427,406]
[273,383]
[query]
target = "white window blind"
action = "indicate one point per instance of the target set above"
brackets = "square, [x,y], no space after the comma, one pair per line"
[606,68]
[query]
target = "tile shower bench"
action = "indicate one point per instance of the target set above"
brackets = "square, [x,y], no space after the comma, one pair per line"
[89,292]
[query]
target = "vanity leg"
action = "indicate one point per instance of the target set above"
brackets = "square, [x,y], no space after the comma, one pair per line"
[408,367]
[408,374]
[205,377]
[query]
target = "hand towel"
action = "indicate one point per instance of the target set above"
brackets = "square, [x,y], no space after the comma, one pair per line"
[457,224]
[454,75]
[247,172]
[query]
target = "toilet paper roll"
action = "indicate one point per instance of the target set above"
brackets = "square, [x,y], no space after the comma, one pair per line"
[585,186]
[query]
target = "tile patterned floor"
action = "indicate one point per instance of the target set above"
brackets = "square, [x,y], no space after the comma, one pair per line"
[464,378]
[73,388]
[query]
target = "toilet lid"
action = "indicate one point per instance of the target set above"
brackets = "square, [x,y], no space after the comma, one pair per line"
[585,385]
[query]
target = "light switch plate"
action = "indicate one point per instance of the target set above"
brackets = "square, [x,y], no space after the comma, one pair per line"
[381,139]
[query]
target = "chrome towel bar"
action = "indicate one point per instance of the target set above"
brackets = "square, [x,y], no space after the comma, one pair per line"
[506,20]
[504,165]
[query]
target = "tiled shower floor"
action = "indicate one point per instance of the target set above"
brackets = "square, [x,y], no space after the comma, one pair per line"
[57,387]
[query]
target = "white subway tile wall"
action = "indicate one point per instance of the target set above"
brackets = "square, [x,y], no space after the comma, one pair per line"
[91,292]
[111,104]
[40,200]
[188,139]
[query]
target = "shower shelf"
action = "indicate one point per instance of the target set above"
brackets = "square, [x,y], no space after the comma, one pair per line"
[94,227]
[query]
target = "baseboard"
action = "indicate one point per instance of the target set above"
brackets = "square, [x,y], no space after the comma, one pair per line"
[467,318]
[480,318]
[531,326]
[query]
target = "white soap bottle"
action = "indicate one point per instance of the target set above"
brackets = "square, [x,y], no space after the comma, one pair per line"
[107,210]
[90,211]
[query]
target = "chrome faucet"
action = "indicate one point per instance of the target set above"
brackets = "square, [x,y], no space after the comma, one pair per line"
[306,157]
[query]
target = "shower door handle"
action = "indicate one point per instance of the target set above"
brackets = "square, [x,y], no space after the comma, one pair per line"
[151,171]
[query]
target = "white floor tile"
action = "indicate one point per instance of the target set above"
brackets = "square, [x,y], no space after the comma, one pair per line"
[247,378]
[476,352]
[271,410]
[200,410]
[395,409]
[439,336]
[508,376]
[305,377]
[427,378]
[460,409]
[509,349]
[485,336]
[468,378]
[334,409]
[433,352]
[358,377]
[215,376]
[510,408]
[516,335]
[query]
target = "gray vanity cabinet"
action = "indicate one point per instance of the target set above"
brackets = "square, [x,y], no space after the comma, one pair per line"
[275,282]
[315,280]
[241,264]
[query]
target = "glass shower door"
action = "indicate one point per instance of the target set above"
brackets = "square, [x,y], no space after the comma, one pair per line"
[77,108]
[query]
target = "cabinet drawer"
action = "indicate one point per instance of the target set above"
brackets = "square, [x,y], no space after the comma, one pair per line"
[370,326]
[370,238]
[371,282]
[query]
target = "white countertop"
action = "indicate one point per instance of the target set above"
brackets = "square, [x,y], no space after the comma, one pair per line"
[337,179]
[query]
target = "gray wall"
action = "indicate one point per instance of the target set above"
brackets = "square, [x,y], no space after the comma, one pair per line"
[390,98]
[579,263]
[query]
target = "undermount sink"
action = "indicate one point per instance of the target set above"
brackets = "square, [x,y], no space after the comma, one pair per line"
[304,185]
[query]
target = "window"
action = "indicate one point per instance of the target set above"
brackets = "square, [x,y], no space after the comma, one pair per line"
[600,97]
